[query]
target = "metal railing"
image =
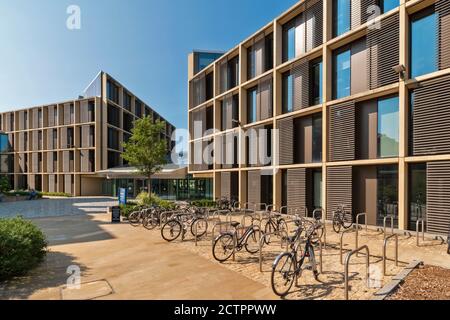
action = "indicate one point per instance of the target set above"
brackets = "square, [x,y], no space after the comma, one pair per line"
[341,249]
[263,241]
[418,223]
[390,217]
[347,263]
[357,228]
[385,249]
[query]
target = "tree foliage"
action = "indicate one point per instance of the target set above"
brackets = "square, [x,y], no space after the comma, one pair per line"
[145,149]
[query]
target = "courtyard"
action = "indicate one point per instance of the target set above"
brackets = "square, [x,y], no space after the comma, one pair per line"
[118,261]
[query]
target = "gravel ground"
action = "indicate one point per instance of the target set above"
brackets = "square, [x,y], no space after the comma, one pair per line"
[426,283]
[331,282]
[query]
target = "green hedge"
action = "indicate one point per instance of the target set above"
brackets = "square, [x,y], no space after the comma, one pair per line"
[205,203]
[55,194]
[22,247]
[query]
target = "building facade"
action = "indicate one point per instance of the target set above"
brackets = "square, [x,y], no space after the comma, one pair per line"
[63,147]
[350,102]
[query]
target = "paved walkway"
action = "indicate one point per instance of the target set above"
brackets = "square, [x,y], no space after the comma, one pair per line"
[55,207]
[122,262]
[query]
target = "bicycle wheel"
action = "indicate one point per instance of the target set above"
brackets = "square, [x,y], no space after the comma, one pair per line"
[316,235]
[253,241]
[283,274]
[223,247]
[268,230]
[202,227]
[337,223]
[347,220]
[135,218]
[150,221]
[171,230]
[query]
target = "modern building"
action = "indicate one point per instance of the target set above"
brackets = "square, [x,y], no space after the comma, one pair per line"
[360,101]
[66,147]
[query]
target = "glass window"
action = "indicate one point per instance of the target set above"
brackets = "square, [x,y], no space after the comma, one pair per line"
[417,194]
[317,189]
[4,143]
[388,123]
[316,83]
[341,16]
[251,105]
[341,74]
[288,92]
[387,195]
[388,5]
[290,45]
[423,43]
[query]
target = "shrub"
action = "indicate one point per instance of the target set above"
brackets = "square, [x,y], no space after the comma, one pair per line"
[4,184]
[22,247]
[125,210]
[144,199]
[55,194]
[205,203]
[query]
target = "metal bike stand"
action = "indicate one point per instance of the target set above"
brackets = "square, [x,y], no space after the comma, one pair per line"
[390,217]
[347,263]
[418,223]
[357,228]
[320,256]
[385,248]
[235,244]
[261,245]
[341,250]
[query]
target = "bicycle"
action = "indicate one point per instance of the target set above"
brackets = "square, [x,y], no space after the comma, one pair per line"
[137,217]
[275,225]
[180,224]
[226,244]
[342,219]
[288,266]
[152,220]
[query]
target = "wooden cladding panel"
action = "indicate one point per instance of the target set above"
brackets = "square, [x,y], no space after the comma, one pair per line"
[84,159]
[254,187]
[341,133]
[52,183]
[339,189]
[296,188]
[198,91]
[286,139]
[314,24]
[443,9]
[438,197]
[68,180]
[431,118]
[383,52]
[360,12]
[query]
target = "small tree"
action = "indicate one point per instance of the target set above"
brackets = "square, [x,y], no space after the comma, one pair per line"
[145,150]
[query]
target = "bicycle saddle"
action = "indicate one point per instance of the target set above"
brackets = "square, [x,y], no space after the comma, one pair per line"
[235,224]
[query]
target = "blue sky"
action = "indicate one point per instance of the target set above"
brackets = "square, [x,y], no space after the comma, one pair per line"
[142,43]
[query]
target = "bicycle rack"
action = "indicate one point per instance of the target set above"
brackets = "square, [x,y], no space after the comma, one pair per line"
[258,206]
[341,250]
[390,217]
[220,224]
[165,214]
[347,263]
[196,231]
[384,251]
[262,242]
[418,223]
[357,228]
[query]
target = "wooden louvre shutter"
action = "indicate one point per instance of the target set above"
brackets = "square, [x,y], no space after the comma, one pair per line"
[296,188]
[341,135]
[339,188]
[431,117]
[35,163]
[49,161]
[225,185]
[258,48]
[265,99]
[67,119]
[66,161]
[63,134]
[68,183]
[50,116]
[286,141]
[438,197]
[84,155]
[383,52]
[442,7]
[223,71]
[314,24]
[254,186]
[51,183]
[360,12]
[300,87]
